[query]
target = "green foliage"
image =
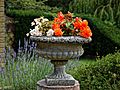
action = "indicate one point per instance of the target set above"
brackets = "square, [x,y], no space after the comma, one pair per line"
[29,5]
[104,74]
[62,4]
[106,10]
[105,39]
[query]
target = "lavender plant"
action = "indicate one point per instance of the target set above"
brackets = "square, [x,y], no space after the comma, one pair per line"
[24,69]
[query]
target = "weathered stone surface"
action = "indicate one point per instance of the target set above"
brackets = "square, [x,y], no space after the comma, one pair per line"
[2,20]
[2,35]
[2,40]
[2,15]
[1,8]
[2,45]
[1,3]
[41,85]
[2,30]
[2,25]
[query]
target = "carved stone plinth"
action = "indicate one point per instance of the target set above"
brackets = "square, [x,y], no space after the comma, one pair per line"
[41,85]
[59,76]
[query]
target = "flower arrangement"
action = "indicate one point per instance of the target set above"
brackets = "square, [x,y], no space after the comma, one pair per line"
[62,25]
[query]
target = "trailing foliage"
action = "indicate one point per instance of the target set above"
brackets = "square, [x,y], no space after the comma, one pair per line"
[106,10]
[102,75]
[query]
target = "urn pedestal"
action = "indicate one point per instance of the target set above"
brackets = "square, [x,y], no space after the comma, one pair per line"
[59,50]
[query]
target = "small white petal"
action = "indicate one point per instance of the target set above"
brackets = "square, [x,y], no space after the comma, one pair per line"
[32,23]
[27,34]
[50,32]
[37,28]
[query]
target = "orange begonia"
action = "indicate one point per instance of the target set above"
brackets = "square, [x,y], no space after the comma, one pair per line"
[55,25]
[58,32]
[77,25]
[60,15]
[86,32]
[84,23]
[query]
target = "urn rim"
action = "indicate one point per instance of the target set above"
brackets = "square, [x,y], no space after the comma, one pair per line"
[61,39]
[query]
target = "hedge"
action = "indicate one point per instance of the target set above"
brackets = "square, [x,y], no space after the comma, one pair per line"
[105,39]
[104,74]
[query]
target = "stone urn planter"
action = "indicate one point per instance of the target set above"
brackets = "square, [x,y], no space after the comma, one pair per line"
[59,50]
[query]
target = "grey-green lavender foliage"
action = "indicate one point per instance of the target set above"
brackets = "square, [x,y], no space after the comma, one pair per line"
[22,71]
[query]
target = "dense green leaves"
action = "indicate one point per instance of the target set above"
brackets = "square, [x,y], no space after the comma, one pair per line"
[104,74]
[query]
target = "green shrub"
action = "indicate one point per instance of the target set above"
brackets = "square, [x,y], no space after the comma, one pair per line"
[62,4]
[28,5]
[104,74]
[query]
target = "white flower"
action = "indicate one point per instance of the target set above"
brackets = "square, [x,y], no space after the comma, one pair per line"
[44,20]
[41,17]
[50,32]
[36,21]
[40,24]
[35,32]
[37,28]
[38,33]
[32,32]
[32,23]
[27,34]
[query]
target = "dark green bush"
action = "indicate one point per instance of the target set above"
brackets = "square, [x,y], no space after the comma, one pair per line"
[104,74]
[62,4]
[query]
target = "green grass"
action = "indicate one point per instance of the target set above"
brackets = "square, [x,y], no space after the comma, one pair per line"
[85,61]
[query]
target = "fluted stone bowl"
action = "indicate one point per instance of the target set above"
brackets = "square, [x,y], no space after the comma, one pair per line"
[60,48]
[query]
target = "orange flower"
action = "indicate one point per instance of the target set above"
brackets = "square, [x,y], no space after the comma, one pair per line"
[78,19]
[55,25]
[58,20]
[84,23]
[86,32]
[77,25]
[58,32]
[60,16]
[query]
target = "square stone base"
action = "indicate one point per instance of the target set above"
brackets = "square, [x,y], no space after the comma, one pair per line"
[41,85]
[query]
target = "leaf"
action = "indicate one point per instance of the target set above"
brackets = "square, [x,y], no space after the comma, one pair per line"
[68,24]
